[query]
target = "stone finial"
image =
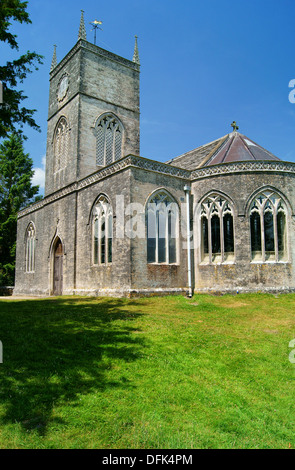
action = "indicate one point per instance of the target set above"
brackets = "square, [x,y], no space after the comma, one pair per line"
[136,55]
[82,29]
[54,60]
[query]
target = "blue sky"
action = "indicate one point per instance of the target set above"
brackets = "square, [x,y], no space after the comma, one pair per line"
[203,65]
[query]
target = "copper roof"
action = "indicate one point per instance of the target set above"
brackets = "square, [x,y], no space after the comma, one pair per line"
[234,147]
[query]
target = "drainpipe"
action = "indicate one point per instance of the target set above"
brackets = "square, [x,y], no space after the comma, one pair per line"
[189,263]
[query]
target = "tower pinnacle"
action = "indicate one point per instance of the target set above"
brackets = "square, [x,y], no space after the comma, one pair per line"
[82,29]
[136,54]
[54,60]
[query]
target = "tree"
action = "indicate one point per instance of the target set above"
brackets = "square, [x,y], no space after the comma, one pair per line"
[12,115]
[16,168]
[16,192]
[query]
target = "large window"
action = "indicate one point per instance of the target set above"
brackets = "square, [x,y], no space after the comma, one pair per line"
[162,228]
[109,138]
[268,228]
[102,232]
[61,144]
[30,248]
[217,230]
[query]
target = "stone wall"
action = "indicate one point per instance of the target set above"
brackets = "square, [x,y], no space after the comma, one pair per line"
[244,274]
[157,277]
[56,219]
[115,276]
[67,214]
[69,218]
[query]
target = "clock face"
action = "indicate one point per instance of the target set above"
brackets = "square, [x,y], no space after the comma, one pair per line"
[63,88]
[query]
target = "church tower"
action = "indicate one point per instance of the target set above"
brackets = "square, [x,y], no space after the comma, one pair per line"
[93,115]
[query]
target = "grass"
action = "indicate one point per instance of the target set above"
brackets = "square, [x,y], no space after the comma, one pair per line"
[153,373]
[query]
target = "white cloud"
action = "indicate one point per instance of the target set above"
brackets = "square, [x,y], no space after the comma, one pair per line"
[39,175]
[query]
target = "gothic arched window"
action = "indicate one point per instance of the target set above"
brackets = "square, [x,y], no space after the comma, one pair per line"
[109,138]
[61,144]
[268,227]
[217,230]
[102,231]
[30,248]
[162,228]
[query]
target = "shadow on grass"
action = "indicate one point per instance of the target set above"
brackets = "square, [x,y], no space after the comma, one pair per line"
[58,349]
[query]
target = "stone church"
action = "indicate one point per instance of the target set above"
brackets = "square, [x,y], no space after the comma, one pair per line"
[219,218]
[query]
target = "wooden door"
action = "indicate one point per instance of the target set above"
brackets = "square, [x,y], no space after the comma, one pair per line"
[58,269]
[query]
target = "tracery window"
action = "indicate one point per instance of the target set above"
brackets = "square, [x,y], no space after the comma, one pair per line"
[162,228]
[102,229]
[61,144]
[217,230]
[30,248]
[109,138]
[268,227]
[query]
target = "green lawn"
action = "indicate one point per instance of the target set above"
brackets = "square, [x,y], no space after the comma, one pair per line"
[162,373]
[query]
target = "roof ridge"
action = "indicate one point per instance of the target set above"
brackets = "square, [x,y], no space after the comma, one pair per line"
[214,151]
[229,147]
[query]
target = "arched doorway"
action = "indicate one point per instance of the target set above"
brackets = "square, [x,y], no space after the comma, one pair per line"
[58,268]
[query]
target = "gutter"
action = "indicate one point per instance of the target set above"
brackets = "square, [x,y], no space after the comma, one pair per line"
[187,190]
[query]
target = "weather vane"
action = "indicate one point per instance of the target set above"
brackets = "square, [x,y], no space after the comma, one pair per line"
[95,24]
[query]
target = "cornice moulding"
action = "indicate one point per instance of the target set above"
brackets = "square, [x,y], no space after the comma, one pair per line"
[133,161]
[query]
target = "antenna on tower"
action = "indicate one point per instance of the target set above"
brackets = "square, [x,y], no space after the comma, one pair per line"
[95,25]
